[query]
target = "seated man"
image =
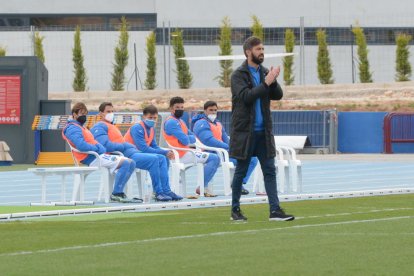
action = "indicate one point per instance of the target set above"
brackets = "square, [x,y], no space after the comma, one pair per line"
[110,137]
[211,133]
[82,139]
[142,136]
[177,134]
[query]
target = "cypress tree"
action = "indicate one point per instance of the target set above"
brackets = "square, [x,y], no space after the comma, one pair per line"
[288,76]
[38,41]
[80,79]
[257,28]
[324,62]
[151,81]
[226,66]
[364,73]
[402,63]
[121,57]
[184,77]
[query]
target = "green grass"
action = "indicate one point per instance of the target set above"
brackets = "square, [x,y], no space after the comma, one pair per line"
[357,236]
[23,167]
[24,209]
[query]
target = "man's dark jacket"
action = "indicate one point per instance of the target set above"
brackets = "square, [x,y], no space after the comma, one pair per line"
[244,96]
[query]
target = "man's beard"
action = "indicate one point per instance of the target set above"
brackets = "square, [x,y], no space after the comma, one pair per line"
[258,59]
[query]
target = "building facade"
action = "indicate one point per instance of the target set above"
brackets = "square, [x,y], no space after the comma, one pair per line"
[200,22]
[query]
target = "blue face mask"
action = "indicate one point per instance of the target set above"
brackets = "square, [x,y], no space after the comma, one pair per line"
[149,123]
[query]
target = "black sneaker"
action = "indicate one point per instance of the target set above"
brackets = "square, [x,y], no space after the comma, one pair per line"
[280,215]
[244,191]
[237,215]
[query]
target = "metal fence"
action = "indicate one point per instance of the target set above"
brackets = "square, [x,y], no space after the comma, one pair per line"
[321,127]
[99,41]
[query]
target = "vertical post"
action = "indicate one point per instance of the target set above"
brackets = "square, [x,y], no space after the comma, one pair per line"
[302,51]
[32,35]
[165,58]
[135,69]
[169,55]
[324,129]
[352,58]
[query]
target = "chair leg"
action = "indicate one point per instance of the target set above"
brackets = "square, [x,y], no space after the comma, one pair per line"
[175,178]
[182,184]
[76,186]
[200,178]
[140,182]
[227,178]
[107,180]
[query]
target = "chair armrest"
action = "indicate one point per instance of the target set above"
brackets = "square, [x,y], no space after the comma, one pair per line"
[222,153]
[176,155]
[87,152]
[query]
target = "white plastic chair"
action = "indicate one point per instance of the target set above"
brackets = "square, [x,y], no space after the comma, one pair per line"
[225,163]
[295,169]
[107,179]
[282,175]
[178,170]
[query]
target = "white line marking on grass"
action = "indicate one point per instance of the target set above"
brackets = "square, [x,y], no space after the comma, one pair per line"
[110,244]
[320,216]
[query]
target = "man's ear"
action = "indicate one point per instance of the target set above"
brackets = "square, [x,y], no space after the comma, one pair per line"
[248,52]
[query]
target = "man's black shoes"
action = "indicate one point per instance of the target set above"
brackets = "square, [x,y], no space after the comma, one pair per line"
[237,215]
[280,215]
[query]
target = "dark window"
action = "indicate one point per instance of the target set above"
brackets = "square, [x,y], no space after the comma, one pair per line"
[91,22]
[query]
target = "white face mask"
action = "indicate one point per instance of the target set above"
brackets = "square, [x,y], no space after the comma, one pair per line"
[212,117]
[110,117]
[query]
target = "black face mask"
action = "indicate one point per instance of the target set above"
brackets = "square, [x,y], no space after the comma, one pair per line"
[178,113]
[81,119]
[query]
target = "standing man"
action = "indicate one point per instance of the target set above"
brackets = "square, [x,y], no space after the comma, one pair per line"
[142,136]
[110,137]
[253,87]
[211,133]
[82,139]
[178,135]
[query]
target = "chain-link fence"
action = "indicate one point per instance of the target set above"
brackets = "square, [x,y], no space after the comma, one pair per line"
[99,41]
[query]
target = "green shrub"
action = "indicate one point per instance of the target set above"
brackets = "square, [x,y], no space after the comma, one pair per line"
[38,46]
[151,81]
[80,79]
[184,77]
[363,63]
[403,66]
[288,76]
[226,66]
[257,28]
[121,57]
[324,62]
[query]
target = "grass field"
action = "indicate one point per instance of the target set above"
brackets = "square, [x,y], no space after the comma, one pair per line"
[355,236]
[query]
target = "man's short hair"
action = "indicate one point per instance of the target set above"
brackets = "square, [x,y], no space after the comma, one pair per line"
[176,100]
[250,42]
[151,109]
[209,103]
[103,105]
[78,107]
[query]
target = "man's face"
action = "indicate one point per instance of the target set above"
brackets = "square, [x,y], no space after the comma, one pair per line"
[149,116]
[256,54]
[80,113]
[177,106]
[108,109]
[210,110]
